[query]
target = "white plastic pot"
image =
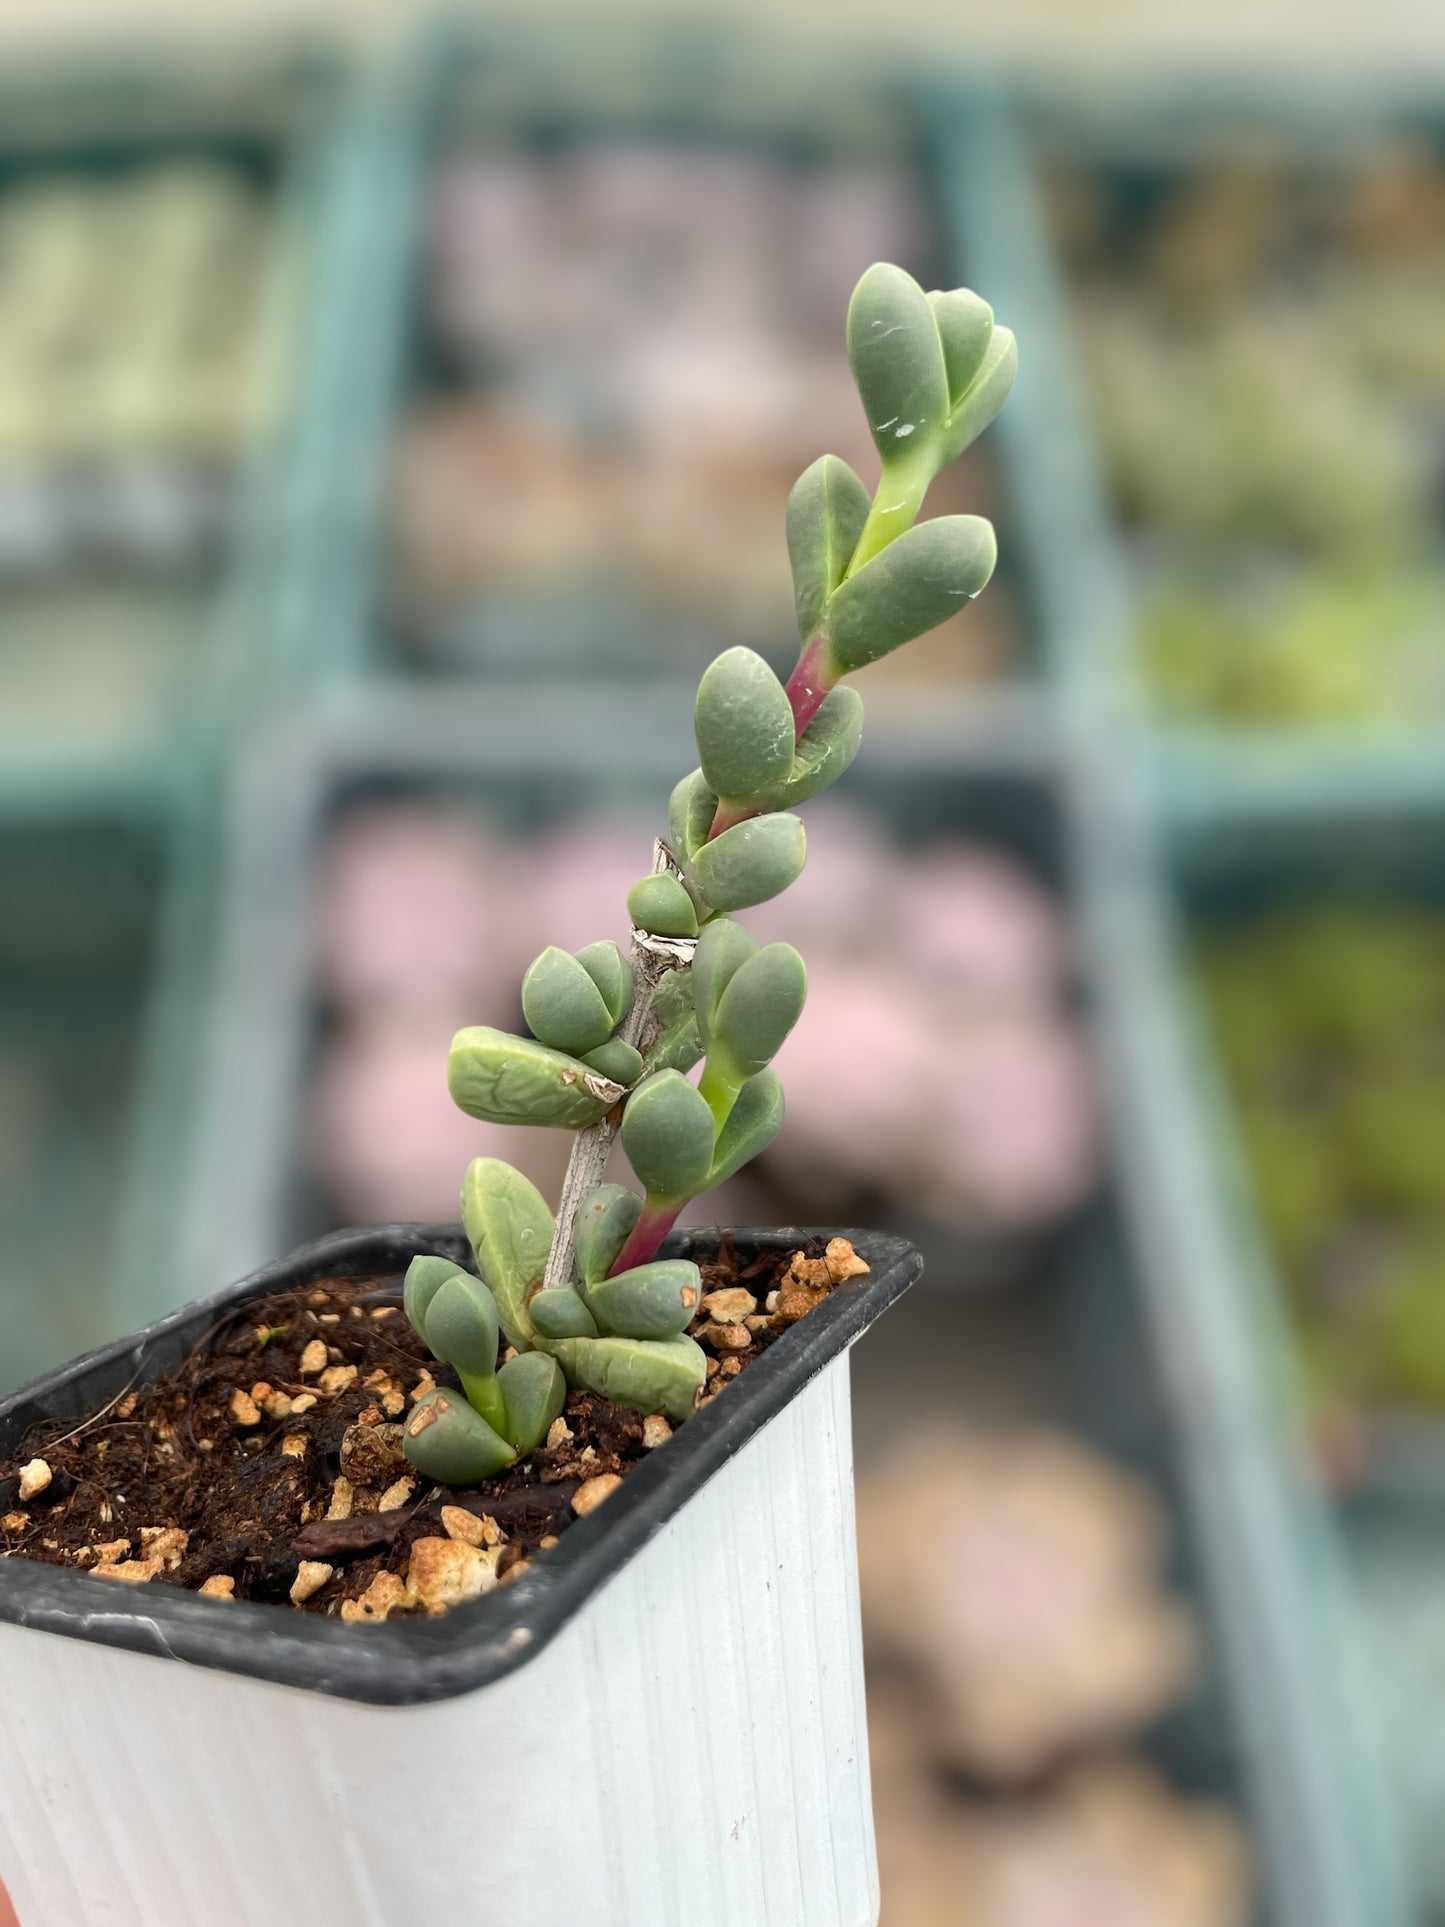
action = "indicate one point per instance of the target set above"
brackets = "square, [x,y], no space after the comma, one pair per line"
[661,1722]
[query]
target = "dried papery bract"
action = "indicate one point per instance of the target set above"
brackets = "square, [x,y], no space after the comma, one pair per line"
[585,1298]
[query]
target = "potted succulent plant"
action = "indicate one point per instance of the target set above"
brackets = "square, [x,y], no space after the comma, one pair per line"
[573,1491]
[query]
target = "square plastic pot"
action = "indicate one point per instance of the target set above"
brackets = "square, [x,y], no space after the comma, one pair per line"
[663,1720]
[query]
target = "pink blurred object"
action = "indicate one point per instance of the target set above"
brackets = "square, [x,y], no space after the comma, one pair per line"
[980,925]
[572,881]
[1014,1128]
[385,1137]
[409,912]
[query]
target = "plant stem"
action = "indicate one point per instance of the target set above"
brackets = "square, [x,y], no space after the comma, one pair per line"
[590,1147]
[808,684]
[647,1234]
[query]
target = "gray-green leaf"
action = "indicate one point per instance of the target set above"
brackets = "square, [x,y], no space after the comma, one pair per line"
[690,812]
[534,1390]
[744,724]
[516,1080]
[560,1312]
[753,1123]
[897,360]
[928,573]
[446,1440]
[650,1374]
[661,906]
[612,974]
[985,396]
[657,1300]
[826,513]
[667,1133]
[759,1007]
[752,861]
[722,950]
[510,1228]
[602,1227]
[563,1006]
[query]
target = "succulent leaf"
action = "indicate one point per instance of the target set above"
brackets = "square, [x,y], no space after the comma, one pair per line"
[825,748]
[985,396]
[752,861]
[677,1045]
[965,327]
[722,950]
[744,724]
[649,1374]
[616,1060]
[759,1006]
[612,974]
[755,1120]
[601,1228]
[535,1390]
[462,1325]
[560,1312]
[658,1300]
[562,1004]
[667,1133]
[510,1229]
[515,1080]
[425,1276]
[661,906]
[897,359]
[446,1440]
[826,513]
[690,812]
[925,575]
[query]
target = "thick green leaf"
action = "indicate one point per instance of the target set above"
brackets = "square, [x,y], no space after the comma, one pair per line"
[446,1440]
[535,1391]
[755,1120]
[744,724]
[667,1133]
[462,1325]
[965,327]
[510,1229]
[619,1062]
[602,1227]
[897,359]
[690,812]
[612,974]
[425,1277]
[722,950]
[652,1301]
[759,1007]
[826,513]
[986,395]
[516,1080]
[560,1312]
[825,748]
[919,580]
[650,1374]
[661,906]
[562,1004]
[677,1045]
[752,861]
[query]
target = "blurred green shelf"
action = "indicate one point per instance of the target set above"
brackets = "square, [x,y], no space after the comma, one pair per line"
[135,648]
[1117,149]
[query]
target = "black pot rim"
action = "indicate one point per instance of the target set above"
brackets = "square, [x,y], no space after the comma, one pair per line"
[417,1661]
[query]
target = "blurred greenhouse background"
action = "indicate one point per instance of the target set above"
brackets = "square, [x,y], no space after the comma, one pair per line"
[394,418]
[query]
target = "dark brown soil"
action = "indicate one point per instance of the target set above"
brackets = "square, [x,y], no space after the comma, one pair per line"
[212,1474]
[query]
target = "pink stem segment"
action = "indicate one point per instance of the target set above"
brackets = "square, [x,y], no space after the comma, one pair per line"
[808,684]
[647,1234]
